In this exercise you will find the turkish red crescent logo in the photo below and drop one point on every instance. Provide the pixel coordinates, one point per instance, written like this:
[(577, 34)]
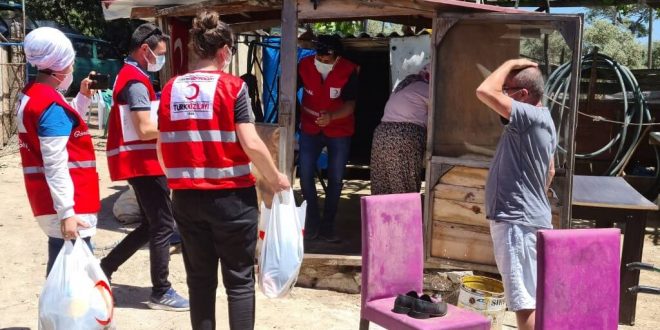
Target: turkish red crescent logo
[(101, 286), (195, 87)]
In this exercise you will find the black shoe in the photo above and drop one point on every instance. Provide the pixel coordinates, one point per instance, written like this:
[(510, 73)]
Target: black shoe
[(310, 236), (330, 238), (404, 303), (424, 308)]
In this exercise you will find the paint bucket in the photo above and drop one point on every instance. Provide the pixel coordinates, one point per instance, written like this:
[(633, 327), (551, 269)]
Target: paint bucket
[(485, 296)]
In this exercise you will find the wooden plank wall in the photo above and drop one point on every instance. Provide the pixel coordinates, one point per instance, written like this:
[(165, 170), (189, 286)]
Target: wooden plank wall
[(461, 231)]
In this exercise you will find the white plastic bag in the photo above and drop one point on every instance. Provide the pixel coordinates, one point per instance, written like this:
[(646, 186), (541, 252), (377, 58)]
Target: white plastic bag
[(280, 244), (76, 295)]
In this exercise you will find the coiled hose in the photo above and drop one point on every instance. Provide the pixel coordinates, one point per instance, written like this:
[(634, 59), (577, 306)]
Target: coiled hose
[(635, 109)]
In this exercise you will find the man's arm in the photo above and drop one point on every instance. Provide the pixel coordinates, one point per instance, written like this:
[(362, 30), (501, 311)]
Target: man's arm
[(551, 173), (490, 90), (137, 97), (55, 126)]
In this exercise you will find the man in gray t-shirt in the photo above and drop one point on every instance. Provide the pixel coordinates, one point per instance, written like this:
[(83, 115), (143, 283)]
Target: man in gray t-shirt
[(519, 176)]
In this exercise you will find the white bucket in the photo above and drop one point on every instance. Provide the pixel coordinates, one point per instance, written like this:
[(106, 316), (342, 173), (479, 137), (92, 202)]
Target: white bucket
[(485, 296)]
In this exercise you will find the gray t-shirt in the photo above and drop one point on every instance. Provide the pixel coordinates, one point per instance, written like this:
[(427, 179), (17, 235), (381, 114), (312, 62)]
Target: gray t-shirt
[(136, 95), (515, 188)]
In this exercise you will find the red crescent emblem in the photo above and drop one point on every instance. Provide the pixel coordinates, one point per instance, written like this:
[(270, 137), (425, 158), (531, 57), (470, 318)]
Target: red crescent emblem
[(196, 88), (102, 285)]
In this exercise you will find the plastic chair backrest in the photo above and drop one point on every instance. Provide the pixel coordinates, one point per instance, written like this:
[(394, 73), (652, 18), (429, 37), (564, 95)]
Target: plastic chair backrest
[(578, 278), (392, 245)]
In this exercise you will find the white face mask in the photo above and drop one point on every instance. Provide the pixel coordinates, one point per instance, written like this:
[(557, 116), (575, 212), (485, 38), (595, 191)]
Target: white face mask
[(65, 83), (323, 68), (160, 61)]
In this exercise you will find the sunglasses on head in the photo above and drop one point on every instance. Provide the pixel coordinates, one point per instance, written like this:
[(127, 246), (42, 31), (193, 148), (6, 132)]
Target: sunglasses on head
[(154, 32)]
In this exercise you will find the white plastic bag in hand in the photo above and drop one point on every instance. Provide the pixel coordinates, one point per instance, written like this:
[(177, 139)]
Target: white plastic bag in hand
[(280, 244), (76, 295)]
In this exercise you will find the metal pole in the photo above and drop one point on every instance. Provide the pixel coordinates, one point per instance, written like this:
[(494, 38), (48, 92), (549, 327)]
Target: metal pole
[(650, 49)]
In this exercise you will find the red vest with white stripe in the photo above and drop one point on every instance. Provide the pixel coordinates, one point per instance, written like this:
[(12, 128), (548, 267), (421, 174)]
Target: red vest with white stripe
[(325, 96), (198, 134), (128, 156), (35, 100)]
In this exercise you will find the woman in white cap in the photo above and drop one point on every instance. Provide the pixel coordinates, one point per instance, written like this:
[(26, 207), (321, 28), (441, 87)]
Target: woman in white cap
[(59, 166)]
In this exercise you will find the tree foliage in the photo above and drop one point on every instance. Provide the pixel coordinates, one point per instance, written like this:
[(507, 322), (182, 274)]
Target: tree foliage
[(342, 28), (85, 16), (656, 54), (558, 50), (615, 41), (633, 17)]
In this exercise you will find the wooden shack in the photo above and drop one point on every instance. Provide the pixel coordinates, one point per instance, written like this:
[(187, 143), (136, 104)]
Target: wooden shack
[(463, 133), (468, 41)]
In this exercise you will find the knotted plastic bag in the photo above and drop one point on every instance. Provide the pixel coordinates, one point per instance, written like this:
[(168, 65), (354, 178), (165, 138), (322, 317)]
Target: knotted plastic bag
[(76, 295), (280, 244)]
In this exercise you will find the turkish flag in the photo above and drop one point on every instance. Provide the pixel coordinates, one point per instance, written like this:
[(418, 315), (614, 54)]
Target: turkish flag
[(179, 37)]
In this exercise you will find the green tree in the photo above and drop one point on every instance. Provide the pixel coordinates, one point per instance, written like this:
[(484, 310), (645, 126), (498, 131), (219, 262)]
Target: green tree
[(656, 55), (85, 16), (558, 50), (343, 28), (615, 41), (634, 17)]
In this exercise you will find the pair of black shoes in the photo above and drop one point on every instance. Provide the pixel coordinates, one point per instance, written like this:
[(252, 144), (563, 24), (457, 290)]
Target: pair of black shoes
[(316, 236), (419, 307)]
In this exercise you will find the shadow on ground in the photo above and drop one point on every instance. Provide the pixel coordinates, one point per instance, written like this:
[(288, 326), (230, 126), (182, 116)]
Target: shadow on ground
[(128, 296)]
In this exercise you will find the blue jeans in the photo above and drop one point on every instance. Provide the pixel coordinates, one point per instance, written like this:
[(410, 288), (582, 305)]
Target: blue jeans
[(54, 247), (310, 149)]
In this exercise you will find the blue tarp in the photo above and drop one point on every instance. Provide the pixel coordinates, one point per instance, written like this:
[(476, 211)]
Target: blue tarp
[(271, 73)]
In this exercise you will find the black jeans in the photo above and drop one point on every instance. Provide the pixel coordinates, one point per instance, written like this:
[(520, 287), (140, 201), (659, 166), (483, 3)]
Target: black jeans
[(157, 227), (218, 225)]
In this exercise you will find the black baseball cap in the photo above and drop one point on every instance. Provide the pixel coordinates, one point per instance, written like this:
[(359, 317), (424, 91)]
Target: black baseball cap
[(327, 44)]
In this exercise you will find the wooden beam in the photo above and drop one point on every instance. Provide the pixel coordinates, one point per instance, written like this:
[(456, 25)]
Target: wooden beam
[(571, 3), (288, 81), (414, 4), (223, 7), (166, 72), (253, 26), (143, 12), (348, 9)]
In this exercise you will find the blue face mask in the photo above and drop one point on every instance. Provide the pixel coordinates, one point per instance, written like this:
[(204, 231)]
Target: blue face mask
[(160, 61)]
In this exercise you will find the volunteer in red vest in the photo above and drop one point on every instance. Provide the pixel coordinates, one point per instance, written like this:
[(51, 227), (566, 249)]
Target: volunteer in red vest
[(131, 152), (327, 120), (57, 152), (208, 141)]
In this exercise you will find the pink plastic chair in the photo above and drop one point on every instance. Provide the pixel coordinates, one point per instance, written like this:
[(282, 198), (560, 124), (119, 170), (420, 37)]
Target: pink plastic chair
[(578, 279), (393, 263)]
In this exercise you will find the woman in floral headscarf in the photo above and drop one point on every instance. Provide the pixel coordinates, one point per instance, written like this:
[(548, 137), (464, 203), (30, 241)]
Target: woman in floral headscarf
[(399, 140)]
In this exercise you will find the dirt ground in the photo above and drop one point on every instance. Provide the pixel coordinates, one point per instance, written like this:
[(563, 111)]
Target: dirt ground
[(23, 262)]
